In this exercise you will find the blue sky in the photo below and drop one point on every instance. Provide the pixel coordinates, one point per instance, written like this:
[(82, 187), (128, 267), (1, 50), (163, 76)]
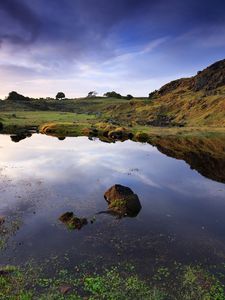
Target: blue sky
[(125, 45)]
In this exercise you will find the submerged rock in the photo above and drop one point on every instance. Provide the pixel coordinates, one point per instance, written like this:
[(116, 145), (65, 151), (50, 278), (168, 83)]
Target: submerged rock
[(72, 222), (122, 201)]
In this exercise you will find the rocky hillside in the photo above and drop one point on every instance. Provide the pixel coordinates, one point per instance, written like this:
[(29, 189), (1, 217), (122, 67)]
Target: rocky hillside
[(195, 101), (207, 80)]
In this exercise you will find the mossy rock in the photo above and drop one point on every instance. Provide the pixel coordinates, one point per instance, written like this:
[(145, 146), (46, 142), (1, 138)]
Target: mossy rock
[(122, 201), (72, 222)]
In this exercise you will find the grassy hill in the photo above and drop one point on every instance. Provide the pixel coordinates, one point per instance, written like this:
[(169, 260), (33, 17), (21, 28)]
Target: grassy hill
[(198, 101), (195, 101)]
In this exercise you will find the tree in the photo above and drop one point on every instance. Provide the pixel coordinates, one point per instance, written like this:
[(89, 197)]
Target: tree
[(129, 97), (92, 94), (14, 96), (60, 95), (112, 95)]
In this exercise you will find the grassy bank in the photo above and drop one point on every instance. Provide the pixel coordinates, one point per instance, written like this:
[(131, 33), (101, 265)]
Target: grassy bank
[(71, 124), (180, 106), (120, 282), (13, 122)]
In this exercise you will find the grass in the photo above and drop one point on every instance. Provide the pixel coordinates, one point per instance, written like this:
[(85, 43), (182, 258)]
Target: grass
[(111, 284), (114, 283), (23, 119), (197, 111)]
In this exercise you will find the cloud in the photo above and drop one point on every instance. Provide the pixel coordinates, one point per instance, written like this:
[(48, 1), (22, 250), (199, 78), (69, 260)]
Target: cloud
[(122, 41), (19, 24)]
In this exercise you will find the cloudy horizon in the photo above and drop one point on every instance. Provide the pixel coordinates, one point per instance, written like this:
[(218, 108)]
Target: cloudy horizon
[(128, 46)]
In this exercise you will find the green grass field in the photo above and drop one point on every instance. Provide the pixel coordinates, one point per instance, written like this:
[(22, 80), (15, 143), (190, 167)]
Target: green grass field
[(69, 117)]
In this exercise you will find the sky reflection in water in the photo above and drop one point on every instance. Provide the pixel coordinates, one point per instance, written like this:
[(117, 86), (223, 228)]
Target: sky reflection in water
[(182, 214)]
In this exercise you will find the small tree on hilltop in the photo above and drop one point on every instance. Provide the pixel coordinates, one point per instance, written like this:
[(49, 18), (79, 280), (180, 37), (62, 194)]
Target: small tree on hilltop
[(129, 97), (92, 94), (112, 95), (60, 95)]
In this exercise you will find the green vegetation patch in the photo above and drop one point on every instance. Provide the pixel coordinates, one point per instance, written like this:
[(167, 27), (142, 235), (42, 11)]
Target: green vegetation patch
[(111, 284), (115, 283)]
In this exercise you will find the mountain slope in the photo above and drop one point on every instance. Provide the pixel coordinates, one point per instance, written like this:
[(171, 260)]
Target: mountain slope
[(195, 101)]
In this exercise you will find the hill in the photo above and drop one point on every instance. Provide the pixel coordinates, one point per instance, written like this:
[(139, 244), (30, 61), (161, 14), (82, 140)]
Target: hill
[(195, 101), (191, 102)]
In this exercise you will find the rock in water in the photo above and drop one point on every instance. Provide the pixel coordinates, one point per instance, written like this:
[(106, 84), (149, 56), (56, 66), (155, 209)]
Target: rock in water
[(72, 222), (122, 201), (66, 217)]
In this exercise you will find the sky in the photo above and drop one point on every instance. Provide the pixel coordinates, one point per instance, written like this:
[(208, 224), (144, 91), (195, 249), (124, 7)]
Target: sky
[(130, 46)]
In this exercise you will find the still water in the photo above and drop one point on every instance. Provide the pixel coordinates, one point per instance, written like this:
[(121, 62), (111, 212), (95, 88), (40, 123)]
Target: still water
[(182, 216)]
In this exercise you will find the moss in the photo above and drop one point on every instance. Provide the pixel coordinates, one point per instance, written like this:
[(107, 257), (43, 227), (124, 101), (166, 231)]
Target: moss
[(111, 285), (118, 203), (72, 222), (198, 284)]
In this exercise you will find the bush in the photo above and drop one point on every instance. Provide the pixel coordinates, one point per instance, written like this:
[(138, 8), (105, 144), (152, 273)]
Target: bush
[(14, 96), (129, 97), (113, 95)]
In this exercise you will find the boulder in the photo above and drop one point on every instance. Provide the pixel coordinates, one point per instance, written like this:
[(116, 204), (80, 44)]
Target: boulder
[(122, 201), (66, 217)]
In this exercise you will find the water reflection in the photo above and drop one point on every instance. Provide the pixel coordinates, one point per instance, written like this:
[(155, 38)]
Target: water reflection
[(204, 154), (182, 215), (16, 138)]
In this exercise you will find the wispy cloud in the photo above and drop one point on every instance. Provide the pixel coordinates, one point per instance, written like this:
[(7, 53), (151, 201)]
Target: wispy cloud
[(128, 45)]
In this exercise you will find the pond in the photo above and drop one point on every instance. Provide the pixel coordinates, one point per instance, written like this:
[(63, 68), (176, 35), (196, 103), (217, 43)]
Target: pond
[(182, 215)]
